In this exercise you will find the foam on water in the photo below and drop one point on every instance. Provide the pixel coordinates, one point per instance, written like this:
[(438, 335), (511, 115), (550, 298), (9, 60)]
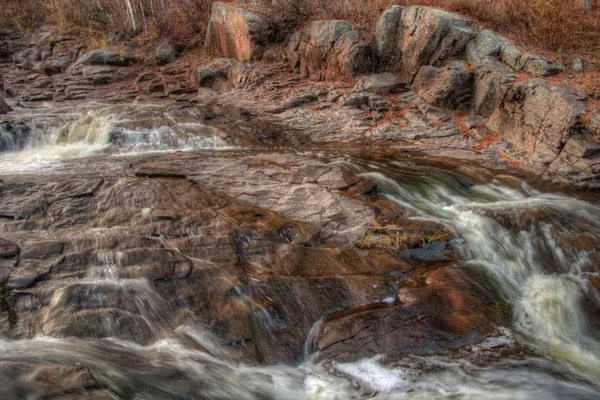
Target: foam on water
[(512, 233), (106, 130), (372, 374)]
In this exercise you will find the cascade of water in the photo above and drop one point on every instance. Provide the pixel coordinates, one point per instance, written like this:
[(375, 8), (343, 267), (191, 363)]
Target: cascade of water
[(122, 129), (7, 140), (513, 233)]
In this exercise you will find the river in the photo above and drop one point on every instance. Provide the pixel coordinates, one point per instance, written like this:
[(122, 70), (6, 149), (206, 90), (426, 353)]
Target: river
[(90, 306)]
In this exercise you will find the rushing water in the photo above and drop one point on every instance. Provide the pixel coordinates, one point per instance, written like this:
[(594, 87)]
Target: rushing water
[(516, 234), (91, 130)]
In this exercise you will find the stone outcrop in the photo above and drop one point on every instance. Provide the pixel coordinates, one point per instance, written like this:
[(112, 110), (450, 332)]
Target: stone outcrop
[(485, 45), (418, 36), (329, 50), (450, 87), (539, 119), (212, 73), (48, 54), (388, 34), (166, 52), (237, 33), (423, 50), (493, 80)]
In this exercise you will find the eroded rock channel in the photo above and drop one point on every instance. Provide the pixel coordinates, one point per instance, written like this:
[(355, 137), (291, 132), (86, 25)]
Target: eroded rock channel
[(255, 233), (227, 269)]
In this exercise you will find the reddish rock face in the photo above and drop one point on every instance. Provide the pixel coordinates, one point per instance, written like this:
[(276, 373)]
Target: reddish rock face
[(439, 312), (235, 33)]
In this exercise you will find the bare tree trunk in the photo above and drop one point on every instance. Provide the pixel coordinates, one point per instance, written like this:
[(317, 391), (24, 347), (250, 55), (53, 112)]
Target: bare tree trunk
[(587, 5), (131, 14), (143, 15)]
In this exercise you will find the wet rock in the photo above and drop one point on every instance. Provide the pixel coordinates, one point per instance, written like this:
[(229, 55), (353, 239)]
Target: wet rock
[(378, 83), (329, 50), (441, 316), (493, 79), (103, 324), (303, 197), (166, 52), (450, 87), (42, 250), (39, 381), (9, 253), (539, 119), (8, 250), (151, 171), (235, 33)]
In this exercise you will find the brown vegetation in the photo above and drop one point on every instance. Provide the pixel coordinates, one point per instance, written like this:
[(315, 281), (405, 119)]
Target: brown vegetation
[(558, 26), (400, 238), (562, 27), (183, 21)]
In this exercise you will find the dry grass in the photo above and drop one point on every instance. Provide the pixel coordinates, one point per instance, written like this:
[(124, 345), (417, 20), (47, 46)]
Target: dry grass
[(393, 238), (182, 21), (560, 27)]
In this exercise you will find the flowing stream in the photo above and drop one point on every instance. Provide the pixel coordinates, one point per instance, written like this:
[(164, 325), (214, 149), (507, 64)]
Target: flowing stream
[(527, 242)]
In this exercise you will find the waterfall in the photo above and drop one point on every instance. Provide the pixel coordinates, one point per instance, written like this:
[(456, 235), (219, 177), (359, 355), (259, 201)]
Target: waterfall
[(512, 233), (7, 140), (112, 130)]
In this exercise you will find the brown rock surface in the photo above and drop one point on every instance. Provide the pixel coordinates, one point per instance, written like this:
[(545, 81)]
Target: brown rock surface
[(444, 312), (234, 32), (256, 248)]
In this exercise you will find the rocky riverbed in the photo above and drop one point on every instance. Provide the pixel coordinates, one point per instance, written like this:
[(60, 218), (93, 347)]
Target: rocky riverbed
[(316, 224)]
